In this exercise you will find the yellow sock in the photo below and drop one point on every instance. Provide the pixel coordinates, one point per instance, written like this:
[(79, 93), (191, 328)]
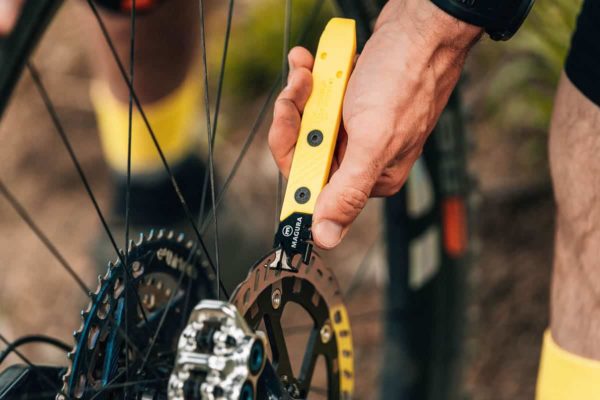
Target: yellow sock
[(566, 376), (172, 119)]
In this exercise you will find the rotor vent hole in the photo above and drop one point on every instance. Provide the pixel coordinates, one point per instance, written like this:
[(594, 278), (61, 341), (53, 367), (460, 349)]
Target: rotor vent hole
[(337, 317)]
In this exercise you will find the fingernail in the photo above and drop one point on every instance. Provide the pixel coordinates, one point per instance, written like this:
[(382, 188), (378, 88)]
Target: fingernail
[(328, 233)]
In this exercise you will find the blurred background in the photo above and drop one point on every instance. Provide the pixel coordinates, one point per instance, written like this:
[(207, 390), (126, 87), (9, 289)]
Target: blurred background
[(508, 92)]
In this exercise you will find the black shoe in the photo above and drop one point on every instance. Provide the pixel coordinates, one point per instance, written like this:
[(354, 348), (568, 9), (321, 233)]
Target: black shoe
[(153, 201)]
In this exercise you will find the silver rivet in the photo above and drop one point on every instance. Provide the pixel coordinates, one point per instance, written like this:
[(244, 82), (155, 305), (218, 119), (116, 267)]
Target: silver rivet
[(326, 333), (276, 299)]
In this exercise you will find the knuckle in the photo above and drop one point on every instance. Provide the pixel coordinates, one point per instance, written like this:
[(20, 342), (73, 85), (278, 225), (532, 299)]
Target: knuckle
[(351, 201), (391, 181)]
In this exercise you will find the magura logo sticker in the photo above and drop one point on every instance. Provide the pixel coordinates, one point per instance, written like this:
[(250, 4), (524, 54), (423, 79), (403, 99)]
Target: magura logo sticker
[(287, 231)]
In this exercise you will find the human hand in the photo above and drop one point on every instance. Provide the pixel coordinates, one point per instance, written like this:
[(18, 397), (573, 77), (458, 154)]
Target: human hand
[(399, 87), (9, 13)]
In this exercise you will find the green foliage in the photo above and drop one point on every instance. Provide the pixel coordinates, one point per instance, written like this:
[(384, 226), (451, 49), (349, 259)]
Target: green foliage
[(520, 92), (255, 58)]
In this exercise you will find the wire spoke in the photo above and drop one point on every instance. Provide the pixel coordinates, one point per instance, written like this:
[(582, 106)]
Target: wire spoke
[(217, 103), (128, 184), (109, 385), (285, 69), (319, 391), (166, 166), (245, 147), (167, 308), (360, 317), (209, 132), (361, 270), (127, 384), (316, 9), (67, 143), (26, 217)]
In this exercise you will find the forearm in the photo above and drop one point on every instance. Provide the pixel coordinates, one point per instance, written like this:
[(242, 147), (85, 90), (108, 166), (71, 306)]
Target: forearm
[(429, 25)]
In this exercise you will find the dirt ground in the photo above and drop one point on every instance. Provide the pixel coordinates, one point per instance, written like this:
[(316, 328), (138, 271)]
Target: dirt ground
[(510, 281)]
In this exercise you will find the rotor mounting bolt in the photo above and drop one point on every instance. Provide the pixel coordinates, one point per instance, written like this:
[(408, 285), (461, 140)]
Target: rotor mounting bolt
[(276, 299), (326, 333), (315, 137), (302, 195)]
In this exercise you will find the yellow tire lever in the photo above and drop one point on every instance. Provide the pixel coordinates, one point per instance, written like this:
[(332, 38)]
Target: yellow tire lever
[(315, 147)]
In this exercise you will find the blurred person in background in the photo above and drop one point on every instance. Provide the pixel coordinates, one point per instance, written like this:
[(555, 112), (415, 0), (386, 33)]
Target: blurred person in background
[(401, 83), (166, 40)]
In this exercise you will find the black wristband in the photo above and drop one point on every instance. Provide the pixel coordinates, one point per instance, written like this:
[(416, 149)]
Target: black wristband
[(583, 62), (501, 19)]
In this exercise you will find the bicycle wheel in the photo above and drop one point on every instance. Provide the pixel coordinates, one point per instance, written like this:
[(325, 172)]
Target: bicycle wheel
[(125, 345)]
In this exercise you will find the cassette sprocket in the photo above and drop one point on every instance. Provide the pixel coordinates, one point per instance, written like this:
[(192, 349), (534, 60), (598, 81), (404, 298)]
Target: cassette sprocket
[(127, 341), (263, 297)]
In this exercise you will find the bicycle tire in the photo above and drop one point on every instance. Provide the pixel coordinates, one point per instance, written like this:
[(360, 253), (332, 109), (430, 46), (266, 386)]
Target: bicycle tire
[(16, 48)]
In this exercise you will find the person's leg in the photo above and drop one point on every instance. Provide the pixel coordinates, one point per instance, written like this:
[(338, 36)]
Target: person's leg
[(570, 362), (574, 336), (575, 163), (166, 39), (165, 42)]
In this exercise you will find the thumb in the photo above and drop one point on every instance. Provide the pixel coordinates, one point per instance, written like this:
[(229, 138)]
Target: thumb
[(344, 197)]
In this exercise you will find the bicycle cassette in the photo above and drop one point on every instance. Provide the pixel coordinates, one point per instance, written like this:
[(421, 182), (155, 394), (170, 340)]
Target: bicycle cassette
[(126, 344)]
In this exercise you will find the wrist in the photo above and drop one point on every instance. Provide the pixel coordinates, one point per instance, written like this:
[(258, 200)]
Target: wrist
[(427, 22)]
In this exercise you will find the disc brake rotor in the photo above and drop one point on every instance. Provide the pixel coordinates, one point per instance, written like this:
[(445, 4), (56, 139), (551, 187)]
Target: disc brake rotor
[(121, 351), (263, 297)]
